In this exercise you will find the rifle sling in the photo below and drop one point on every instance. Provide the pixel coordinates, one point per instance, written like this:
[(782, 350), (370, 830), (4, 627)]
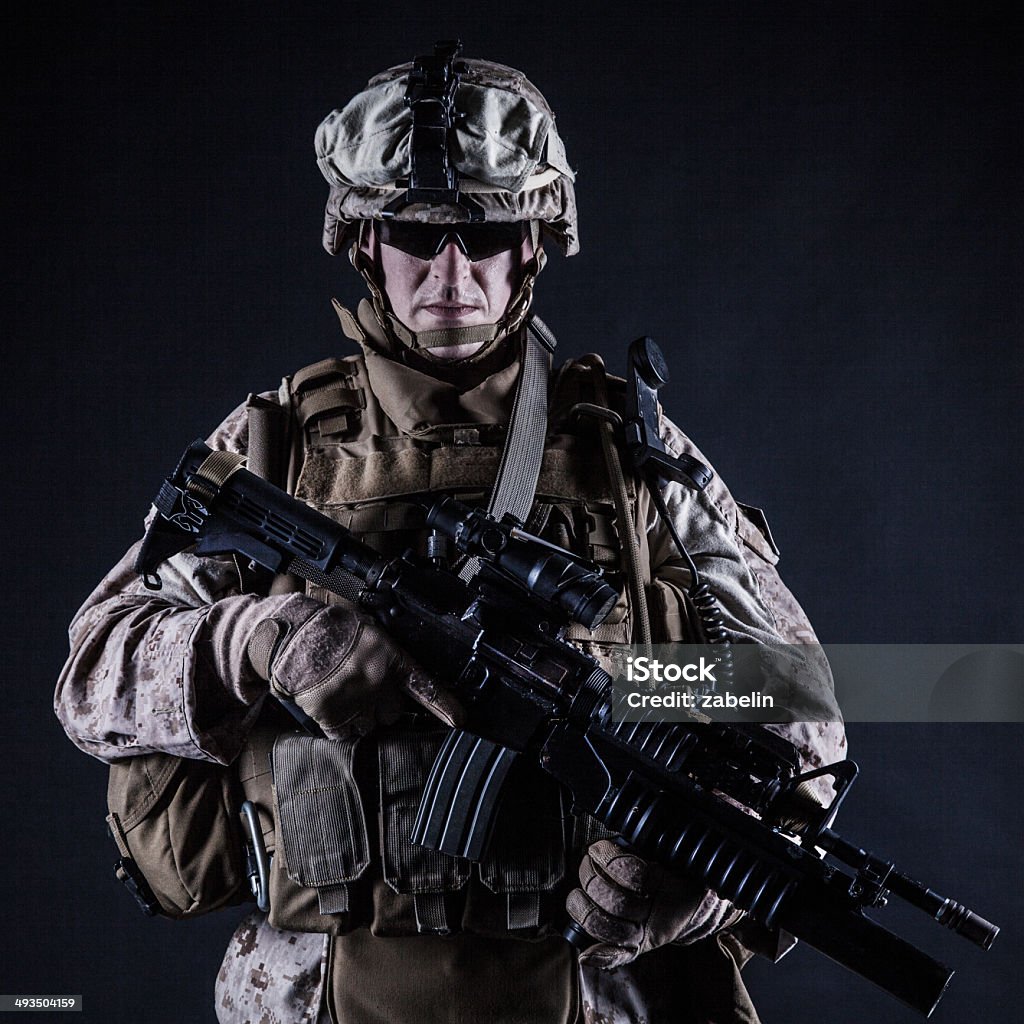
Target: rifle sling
[(519, 469)]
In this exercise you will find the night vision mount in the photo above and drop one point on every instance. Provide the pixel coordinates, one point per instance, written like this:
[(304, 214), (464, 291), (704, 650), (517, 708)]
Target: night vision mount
[(430, 95)]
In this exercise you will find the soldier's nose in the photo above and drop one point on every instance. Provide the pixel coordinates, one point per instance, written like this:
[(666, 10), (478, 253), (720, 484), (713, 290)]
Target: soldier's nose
[(451, 264)]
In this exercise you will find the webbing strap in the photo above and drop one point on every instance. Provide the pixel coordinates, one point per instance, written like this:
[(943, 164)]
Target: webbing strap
[(218, 466), (117, 834), (327, 399), (519, 469), (213, 473), (524, 447), (333, 899), (523, 910), (627, 536), (443, 336), (431, 913), (326, 367)]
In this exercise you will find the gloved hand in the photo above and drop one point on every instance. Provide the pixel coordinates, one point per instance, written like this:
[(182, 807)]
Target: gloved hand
[(340, 668), (631, 906)]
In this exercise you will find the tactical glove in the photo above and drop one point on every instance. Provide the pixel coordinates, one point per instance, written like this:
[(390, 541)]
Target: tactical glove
[(340, 668), (631, 906)]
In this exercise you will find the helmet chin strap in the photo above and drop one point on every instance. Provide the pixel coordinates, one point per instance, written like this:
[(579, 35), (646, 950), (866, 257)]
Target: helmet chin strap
[(402, 339)]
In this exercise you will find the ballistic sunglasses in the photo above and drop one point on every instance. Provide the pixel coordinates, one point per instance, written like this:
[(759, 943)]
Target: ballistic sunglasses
[(477, 241)]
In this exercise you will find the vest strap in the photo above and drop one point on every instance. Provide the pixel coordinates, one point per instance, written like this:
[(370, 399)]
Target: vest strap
[(523, 910), (431, 913), (331, 367), (333, 899), (328, 399)]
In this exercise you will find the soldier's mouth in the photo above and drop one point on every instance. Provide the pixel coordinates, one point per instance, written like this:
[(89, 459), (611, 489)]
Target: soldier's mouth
[(450, 311)]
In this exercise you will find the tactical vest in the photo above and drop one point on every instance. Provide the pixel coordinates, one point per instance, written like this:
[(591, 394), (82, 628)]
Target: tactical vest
[(340, 815)]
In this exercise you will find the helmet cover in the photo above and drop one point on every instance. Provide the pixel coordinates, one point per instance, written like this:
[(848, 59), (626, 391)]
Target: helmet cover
[(503, 143)]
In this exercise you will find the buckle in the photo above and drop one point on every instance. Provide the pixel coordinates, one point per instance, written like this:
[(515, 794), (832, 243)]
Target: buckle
[(127, 872)]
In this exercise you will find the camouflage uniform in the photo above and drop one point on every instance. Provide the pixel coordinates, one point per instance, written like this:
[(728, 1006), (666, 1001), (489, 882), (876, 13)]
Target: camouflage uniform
[(137, 681)]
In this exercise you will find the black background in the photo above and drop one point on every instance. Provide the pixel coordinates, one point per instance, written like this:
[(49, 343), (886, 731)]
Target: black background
[(814, 208)]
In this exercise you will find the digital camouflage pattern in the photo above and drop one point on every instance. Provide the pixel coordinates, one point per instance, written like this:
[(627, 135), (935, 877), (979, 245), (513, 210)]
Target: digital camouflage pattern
[(137, 681), (272, 977)]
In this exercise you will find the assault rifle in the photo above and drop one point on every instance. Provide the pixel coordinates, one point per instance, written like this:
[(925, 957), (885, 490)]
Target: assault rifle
[(499, 641)]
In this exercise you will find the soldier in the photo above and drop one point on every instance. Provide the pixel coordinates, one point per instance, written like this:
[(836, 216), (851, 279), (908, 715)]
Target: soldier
[(446, 177)]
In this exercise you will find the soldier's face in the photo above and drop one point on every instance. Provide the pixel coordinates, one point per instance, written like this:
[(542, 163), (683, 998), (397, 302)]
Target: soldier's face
[(449, 289)]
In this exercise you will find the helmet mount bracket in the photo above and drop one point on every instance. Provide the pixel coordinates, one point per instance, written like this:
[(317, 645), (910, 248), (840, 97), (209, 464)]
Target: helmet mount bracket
[(430, 95)]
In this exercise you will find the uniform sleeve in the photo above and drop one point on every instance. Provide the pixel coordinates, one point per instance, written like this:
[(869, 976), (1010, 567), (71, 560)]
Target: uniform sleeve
[(738, 560), (143, 674)]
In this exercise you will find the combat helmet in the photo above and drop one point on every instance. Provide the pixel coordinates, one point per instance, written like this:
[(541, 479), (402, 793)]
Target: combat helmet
[(445, 139)]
